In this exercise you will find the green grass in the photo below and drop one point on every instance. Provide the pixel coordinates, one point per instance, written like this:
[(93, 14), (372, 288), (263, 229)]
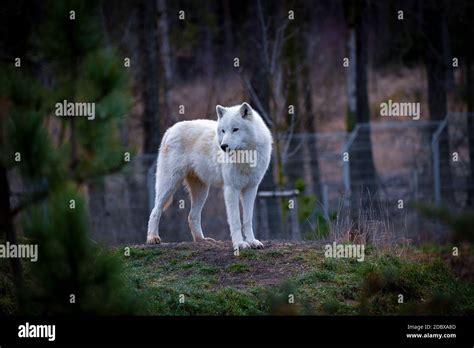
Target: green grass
[(326, 286), (284, 280), (238, 268)]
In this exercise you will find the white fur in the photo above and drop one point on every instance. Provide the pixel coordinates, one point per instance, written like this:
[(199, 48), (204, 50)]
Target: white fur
[(189, 152)]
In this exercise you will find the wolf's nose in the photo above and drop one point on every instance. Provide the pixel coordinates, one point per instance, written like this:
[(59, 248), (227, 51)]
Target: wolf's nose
[(224, 147)]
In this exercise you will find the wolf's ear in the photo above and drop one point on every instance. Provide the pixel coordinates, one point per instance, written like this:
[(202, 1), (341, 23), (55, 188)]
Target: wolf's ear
[(220, 110), (246, 111)]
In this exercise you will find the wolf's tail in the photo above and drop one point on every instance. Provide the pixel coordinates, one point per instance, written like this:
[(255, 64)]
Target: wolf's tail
[(161, 173)]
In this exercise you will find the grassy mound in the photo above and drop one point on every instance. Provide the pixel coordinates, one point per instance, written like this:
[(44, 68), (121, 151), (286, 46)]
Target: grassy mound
[(289, 278)]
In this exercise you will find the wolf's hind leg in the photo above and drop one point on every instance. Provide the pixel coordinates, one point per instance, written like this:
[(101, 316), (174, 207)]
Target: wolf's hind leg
[(166, 186), (198, 192)]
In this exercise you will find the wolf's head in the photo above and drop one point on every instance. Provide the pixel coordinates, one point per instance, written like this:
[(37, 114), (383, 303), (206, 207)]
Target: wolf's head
[(235, 127)]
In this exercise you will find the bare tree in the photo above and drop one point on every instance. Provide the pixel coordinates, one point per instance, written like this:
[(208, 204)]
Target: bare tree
[(229, 38), (308, 124), (436, 43), (466, 14), (470, 124), (260, 69), (150, 77), (362, 169), (165, 50)]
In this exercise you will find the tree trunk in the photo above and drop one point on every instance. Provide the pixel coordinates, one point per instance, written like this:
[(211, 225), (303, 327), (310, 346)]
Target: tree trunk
[(165, 50), (351, 80), (310, 127), (150, 78), (291, 60), (258, 68), (228, 34), (436, 69), (361, 164), (208, 25), (470, 126)]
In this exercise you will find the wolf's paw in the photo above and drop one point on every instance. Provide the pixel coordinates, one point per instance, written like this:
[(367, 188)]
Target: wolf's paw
[(204, 239), (153, 240), (241, 246), (255, 244)]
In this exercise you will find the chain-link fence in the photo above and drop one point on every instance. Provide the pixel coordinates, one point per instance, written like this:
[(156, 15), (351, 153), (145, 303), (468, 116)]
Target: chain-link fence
[(375, 174), (453, 183), (387, 168)]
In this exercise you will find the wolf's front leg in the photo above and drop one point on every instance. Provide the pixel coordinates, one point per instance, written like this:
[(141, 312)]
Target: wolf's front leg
[(231, 197), (248, 200)]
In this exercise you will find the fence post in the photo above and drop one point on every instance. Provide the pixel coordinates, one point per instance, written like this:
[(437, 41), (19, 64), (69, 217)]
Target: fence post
[(436, 165), (295, 226), (262, 214), (345, 164), (415, 185), (295, 233), (325, 193)]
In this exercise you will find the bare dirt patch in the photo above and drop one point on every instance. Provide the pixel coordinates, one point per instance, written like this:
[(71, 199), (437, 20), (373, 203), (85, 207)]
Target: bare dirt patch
[(272, 265)]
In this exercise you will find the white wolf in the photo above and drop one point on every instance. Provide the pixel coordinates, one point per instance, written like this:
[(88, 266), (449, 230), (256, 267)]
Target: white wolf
[(193, 152)]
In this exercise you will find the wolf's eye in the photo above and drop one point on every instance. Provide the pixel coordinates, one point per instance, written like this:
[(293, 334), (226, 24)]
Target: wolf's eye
[(235, 130), (223, 131)]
